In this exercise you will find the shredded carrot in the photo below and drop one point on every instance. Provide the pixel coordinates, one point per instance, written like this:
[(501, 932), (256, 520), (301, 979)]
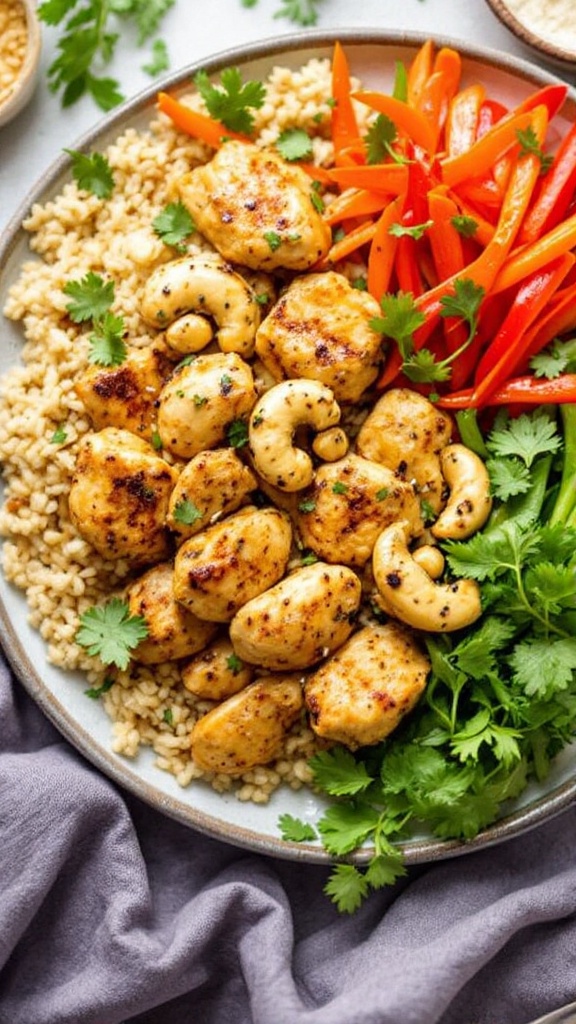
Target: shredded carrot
[(350, 243), (207, 129)]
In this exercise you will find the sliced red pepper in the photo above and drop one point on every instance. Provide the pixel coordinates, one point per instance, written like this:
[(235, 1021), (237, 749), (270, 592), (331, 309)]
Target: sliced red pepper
[(555, 193), (522, 390)]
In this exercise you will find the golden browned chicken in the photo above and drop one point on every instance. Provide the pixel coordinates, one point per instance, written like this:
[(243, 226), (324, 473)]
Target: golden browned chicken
[(201, 400), (173, 631), (406, 432), (320, 329), (302, 619), (119, 496), (222, 568), (347, 505), (213, 484), (125, 396), (360, 694), (217, 672), (256, 209), (249, 728)]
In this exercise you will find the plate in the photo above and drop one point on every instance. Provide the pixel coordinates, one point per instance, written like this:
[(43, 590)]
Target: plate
[(60, 695)]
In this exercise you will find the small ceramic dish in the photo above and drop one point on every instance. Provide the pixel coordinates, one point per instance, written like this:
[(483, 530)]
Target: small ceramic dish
[(542, 28), (15, 94)]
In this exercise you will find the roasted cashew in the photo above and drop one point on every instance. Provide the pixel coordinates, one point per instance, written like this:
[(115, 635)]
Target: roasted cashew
[(470, 503), (206, 285), (431, 559), (408, 593), (330, 445), (273, 422)]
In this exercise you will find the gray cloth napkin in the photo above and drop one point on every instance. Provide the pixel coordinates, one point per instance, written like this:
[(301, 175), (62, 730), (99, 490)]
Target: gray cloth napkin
[(110, 912)]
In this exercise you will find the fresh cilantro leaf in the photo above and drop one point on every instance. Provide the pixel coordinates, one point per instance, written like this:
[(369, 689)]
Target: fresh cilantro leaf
[(294, 144), (94, 692), (529, 145), (399, 321), (174, 225), (235, 664), (380, 139), (557, 358), (508, 477), (91, 297), (416, 232), (168, 716), (465, 303), (111, 633), (107, 346), (338, 773), (59, 436), (295, 831), (465, 226), (92, 173), (347, 887), (160, 61), (554, 586), (186, 512), (475, 655), (300, 12), (345, 826), (543, 666), (423, 367), (233, 102), (385, 868), (525, 437), (306, 505), (486, 555)]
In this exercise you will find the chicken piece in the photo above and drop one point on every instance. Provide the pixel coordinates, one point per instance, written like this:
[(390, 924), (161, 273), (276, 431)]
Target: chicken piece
[(406, 432), (249, 728), (173, 631), (362, 692), (201, 400), (125, 396), (213, 484), (348, 504), (218, 570), (217, 672), (256, 209), (320, 329), (300, 620), (119, 496)]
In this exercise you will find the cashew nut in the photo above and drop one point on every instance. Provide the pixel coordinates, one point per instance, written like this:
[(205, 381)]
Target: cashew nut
[(470, 503), (431, 559), (273, 422), (206, 285), (330, 445), (407, 592)]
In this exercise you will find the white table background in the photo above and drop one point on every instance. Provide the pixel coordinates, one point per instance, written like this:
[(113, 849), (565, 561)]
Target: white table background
[(197, 29)]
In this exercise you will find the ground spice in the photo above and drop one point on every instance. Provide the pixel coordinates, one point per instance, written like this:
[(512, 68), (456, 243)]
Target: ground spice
[(13, 44), (552, 20)]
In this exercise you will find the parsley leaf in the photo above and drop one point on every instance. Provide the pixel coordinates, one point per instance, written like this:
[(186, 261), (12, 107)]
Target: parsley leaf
[(380, 139), (92, 172), (294, 144), (399, 321), (525, 437), (347, 887), (232, 103), (186, 512), (529, 145), (338, 773), (107, 346), (174, 225), (111, 633), (294, 830)]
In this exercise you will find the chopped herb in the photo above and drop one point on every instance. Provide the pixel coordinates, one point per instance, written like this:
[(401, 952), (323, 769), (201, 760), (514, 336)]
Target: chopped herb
[(339, 487), (91, 297), (465, 226), (199, 400), (316, 198), (237, 434), (92, 173), (59, 436), (360, 283), (294, 144), (382, 494), (156, 441), (233, 102), (94, 692), (186, 512), (226, 384), (174, 225), (428, 513), (307, 505), (300, 12), (111, 633), (234, 663), (309, 558), (262, 298), (529, 145), (416, 231), (159, 61), (168, 716), (274, 240)]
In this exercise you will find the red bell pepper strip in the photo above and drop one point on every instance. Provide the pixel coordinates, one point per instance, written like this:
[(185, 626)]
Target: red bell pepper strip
[(558, 318), (200, 126), (555, 193), (344, 126), (550, 96), (504, 354), (407, 270), (522, 390)]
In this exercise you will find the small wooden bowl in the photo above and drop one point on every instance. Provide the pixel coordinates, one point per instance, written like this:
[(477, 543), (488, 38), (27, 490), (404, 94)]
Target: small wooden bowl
[(552, 52), (14, 98)]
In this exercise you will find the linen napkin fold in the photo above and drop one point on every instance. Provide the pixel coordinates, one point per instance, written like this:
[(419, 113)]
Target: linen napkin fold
[(112, 913)]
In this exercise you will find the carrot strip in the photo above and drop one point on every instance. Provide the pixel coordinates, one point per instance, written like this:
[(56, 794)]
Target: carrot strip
[(344, 125), (355, 203), (445, 241), (462, 119), (407, 119), (419, 72), (207, 129), (383, 250), (533, 257), (351, 242), (391, 178), (486, 150)]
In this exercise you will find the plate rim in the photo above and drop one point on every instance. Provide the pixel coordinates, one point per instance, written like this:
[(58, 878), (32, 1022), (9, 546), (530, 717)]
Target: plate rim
[(118, 770)]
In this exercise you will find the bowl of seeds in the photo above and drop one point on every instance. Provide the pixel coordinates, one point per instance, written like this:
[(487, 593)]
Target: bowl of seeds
[(20, 46)]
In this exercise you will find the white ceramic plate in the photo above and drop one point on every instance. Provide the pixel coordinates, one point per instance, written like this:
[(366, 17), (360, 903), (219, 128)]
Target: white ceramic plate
[(61, 695)]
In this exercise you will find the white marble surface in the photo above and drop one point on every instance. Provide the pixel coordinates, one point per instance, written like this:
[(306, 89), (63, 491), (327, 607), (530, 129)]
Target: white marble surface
[(194, 30)]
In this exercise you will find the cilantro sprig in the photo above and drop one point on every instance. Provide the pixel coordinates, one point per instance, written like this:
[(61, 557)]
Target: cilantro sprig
[(91, 301), (233, 101), (111, 633), (91, 30)]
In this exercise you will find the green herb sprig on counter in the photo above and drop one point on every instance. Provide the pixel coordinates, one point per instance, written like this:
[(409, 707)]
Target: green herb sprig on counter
[(88, 44), (500, 702)]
